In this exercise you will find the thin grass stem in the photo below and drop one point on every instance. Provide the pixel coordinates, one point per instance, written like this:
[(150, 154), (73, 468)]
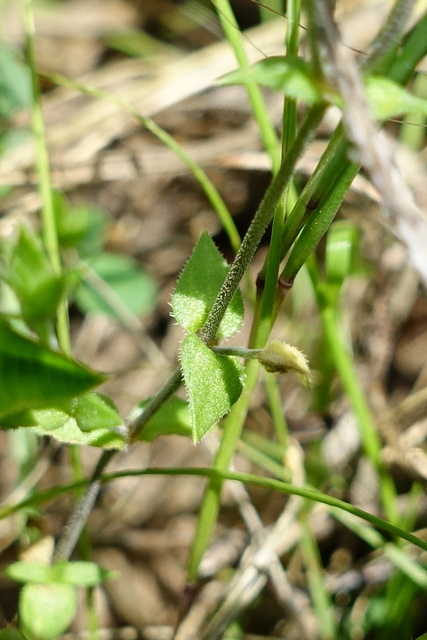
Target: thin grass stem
[(43, 170), (258, 108)]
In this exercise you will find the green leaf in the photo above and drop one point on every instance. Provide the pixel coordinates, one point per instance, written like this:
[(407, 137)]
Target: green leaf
[(173, 417), (11, 633), (122, 285), (213, 384), (94, 410), (288, 74), (388, 99), (80, 573), (341, 246), (198, 287), (33, 376), (46, 610), (29, 273), (83, 226), (15, 83), (90, 419), (29, 572)]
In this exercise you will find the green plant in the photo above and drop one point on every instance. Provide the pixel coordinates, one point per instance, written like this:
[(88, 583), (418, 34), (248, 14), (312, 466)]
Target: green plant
[(39, 274)]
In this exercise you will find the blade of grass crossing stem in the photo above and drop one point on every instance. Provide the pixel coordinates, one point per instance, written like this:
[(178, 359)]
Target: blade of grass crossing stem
[(270, 484), (43, 170), (258, 108)]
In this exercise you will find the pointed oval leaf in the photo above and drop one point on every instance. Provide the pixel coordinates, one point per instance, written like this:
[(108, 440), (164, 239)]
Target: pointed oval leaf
[(213, 384), (288, 74), (388, 99), (33, 376), (198, 287), (80, 573), (37, 572)]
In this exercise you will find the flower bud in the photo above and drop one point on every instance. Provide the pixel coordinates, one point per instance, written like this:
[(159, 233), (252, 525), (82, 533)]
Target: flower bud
[(281, 357)]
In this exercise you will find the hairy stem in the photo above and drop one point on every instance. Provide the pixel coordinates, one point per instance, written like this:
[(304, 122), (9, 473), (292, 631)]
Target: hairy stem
[(259, 224)]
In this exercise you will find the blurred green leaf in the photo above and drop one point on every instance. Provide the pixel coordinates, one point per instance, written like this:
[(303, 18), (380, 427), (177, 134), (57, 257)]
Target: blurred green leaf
[(11, 633), (389, 99), (80, 573), (341, 249), (198, 287), (213, 384), (33, 376), (82, 226), (46, 610), (15, 83), (288, 74), (90, 419), (27, 572), (137, 43), (173, 417), (30, 275), (120, 286)]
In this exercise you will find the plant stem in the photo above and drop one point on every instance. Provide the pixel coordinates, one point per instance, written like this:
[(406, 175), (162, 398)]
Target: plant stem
[(233, 424), (286, 488), (259, 224), (136, 426), (83, 508), (43, 169), (239, 352), (390, 35), (258, 108), (244, 256), (276, 409), (318, 223), (72, 530)]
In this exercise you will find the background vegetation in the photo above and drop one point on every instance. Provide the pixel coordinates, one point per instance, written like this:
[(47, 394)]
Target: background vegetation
[(296, 364)]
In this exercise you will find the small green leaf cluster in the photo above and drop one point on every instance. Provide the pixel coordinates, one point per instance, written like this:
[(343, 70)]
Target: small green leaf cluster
[(36, 284), (48, 600), (213, 382)]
